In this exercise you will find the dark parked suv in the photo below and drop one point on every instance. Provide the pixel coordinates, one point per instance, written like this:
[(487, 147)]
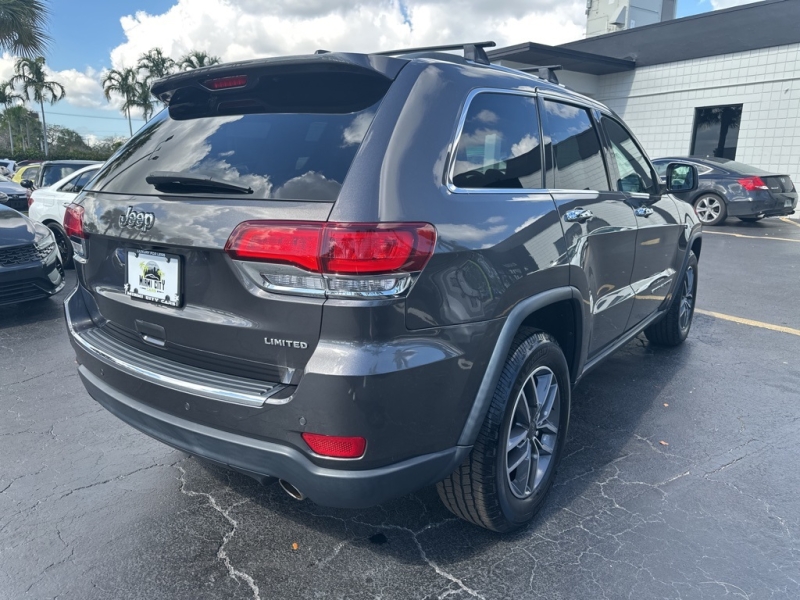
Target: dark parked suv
[(364, 274)]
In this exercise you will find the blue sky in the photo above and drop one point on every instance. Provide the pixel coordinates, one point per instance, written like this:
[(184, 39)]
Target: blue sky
[(86, 31)]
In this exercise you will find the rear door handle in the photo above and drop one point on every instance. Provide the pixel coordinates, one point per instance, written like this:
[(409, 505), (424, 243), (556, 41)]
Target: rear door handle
[(578, 215), (643, 211)]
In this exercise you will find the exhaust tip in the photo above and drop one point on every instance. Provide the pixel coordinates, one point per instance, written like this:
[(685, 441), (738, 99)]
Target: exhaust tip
[(291, 490)]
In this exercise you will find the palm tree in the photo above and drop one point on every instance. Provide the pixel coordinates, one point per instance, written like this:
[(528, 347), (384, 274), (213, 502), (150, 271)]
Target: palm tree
[(7, 98), (156, 64), (196, 59), (144, 99), (31, 75), (123, 83), (22, 27)]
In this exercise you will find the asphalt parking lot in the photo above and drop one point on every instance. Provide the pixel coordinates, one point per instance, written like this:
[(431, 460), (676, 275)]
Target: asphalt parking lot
[(681, 478)]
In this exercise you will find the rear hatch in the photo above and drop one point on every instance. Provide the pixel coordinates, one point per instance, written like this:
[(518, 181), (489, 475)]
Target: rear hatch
[(262, 140)]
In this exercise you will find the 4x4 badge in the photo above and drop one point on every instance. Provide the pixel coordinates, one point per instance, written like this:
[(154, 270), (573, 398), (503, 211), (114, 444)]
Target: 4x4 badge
[(136, 219)]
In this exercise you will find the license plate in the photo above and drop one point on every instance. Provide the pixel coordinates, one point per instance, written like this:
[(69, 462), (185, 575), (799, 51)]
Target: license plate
[(154, 276)]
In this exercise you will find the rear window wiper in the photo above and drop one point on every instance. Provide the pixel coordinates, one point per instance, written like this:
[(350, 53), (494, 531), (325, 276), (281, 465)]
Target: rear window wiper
[(175, 181)]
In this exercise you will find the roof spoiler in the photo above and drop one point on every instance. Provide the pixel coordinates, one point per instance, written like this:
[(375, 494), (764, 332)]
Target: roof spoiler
[(229, 76)]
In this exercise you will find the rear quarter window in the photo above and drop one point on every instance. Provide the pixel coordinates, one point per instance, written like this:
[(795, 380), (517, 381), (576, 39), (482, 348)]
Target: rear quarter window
[(499, 145)]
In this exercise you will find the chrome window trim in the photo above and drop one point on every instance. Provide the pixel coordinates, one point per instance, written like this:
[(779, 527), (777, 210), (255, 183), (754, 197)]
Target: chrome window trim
[(171, 382), (451, 167)]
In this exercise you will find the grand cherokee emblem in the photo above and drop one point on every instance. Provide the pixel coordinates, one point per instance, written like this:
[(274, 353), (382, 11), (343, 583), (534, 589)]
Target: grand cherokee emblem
[(137, 219)]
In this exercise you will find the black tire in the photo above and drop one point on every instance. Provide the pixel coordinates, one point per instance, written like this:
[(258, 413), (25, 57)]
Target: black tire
[(480, 490), (672, 329), (750, 219), (63, 243), (709, 216)]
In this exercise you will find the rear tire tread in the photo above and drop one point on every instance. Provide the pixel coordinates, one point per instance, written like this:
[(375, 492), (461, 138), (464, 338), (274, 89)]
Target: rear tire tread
[(470, 492)]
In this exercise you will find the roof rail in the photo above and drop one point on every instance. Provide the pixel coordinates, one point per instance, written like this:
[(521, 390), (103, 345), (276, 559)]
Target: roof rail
[(474, 51), (546, 72)]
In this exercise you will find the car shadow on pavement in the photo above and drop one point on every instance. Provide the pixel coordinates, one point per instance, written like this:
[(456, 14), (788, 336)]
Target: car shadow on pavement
[(33, 311), (607, 411)]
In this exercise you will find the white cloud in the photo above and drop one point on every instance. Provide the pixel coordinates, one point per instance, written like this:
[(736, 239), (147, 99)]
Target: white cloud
[(241, 29)]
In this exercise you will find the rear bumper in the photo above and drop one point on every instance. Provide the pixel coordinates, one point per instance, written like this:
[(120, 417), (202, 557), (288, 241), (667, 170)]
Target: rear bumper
[(327, 487), (773, 207), (33, 281), (405, 414)]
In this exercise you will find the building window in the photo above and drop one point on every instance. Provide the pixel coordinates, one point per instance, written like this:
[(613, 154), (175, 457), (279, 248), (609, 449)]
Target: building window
[(716, 131)]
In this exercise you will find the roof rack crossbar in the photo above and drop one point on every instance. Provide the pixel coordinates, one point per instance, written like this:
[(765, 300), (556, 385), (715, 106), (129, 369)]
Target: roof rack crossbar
[(474, 51), (546, 72)]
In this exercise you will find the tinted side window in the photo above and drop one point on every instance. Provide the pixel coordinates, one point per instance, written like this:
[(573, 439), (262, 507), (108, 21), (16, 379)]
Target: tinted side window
[(574, 149), (70, 185), (635, 174), (499, 144)]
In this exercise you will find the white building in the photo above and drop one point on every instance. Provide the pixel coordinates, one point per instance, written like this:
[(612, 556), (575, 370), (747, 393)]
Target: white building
[(724, 83), (606, 16)]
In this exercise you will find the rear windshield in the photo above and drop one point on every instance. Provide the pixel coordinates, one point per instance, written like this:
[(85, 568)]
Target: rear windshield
[(277, 155)]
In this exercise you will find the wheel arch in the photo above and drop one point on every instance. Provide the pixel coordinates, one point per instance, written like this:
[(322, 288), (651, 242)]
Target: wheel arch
[(559, 312)]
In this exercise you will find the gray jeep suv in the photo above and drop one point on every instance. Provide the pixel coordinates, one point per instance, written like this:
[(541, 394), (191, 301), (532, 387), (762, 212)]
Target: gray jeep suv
[(364, 274)]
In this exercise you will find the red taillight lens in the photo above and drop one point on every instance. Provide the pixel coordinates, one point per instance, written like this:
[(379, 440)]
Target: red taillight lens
[(753, 183), (334, 248), (73, 222), (369, 249), (336, 446), (224, 83), (30, 201), (287, 243)]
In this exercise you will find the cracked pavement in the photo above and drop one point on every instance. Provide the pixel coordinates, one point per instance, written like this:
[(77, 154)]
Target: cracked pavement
[(90, 508)]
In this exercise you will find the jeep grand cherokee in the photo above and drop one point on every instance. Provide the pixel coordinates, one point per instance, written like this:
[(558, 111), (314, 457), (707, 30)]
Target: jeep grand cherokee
[(364, 274)]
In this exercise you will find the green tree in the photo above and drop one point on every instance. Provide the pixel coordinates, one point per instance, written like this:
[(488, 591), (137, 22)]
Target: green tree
[(64, 140), (8, 96), (36, 87), (196, 59), (24, 125), (22, 27), (155, 65), (122, 82)]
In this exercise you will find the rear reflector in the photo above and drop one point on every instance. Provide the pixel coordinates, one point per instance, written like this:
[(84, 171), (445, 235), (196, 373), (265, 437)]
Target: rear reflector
[(335, 446), (224, 83), (753, 183), (335, 248), (73, 222)]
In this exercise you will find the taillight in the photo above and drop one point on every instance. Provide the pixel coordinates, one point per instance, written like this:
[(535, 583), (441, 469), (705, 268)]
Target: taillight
[(336, 446), (30, 201), (73, 222), (286, 243), (369, 249), (753, 183), (337, 259)]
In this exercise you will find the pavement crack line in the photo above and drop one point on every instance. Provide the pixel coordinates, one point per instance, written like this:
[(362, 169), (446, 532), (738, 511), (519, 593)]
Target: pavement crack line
[(222, 554)]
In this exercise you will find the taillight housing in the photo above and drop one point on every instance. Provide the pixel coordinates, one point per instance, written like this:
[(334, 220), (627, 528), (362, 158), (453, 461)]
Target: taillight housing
[(30, 201), (73, 222), (333, 259), (335, 446), (753, 183)]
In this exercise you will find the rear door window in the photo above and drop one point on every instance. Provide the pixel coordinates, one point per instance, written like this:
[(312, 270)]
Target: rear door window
[(573, 151), (286, 156), (499, 145)]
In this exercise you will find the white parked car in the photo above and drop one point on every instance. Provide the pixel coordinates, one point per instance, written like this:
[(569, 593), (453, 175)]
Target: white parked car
[(48, 205)]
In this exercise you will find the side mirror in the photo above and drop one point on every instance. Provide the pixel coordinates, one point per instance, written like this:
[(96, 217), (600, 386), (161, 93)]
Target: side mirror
[(27, 184), (681, 178)]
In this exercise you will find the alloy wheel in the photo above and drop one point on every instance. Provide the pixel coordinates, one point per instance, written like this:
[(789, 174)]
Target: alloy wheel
[(532, 435), (708, 209)]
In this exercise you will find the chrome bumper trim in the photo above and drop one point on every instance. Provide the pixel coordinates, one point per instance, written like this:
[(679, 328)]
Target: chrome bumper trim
[(170, 374)]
